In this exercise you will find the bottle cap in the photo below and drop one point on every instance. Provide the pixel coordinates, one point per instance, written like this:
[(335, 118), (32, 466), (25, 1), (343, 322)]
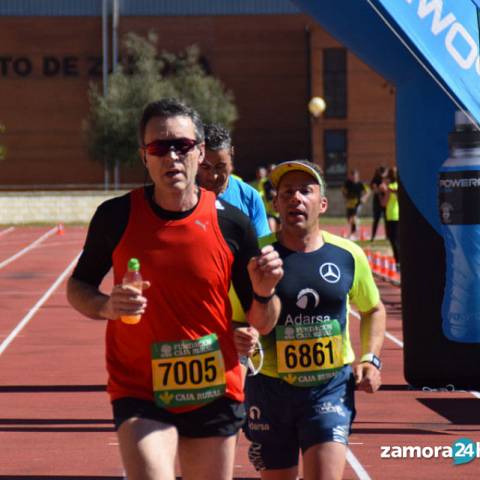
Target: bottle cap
[(461, 119), (134, 264), (466, 133)]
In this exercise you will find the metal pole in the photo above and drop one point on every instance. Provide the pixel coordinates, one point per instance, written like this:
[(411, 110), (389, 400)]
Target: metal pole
[(310, 122), (115, 19), (106, 173)]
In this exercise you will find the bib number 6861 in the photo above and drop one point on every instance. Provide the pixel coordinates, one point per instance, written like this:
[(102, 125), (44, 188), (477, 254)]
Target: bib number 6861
[(304, 355)]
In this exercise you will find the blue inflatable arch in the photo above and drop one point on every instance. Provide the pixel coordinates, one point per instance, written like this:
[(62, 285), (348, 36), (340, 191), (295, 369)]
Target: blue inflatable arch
[(424, 118)]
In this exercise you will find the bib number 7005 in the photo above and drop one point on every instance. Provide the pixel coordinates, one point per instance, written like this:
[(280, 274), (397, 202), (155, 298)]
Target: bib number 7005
[(189, 371)]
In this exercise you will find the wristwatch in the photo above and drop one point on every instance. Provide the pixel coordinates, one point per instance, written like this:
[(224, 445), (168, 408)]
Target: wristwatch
[(371, 358)]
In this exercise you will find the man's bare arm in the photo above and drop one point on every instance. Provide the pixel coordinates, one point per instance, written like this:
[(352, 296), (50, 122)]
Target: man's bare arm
[(123, 300), (87, 299), (265, 272), (264, 316), (372, 334), (372, 329)]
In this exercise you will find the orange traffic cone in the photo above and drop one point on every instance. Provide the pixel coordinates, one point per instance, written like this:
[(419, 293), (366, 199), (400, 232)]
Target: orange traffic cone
[(384, 264), (376, 266), (392, 268), (60, 229), (368, 254), (363, 235)]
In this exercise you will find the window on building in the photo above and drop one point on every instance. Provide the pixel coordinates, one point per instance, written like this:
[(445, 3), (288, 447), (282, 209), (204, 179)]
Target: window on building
[(335, 82), (335, 155)]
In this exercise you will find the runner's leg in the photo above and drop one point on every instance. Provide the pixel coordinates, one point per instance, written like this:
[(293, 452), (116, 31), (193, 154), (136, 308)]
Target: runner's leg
[(325, 461), (377, 215), (354, 224), (148, 449), (210, 458), (349, 223)]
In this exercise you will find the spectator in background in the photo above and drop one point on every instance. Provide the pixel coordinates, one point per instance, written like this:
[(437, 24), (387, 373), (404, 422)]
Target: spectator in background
[(378, 209), (355, 193), (260, 179), (215, 174), (392, 212), (268, 196)]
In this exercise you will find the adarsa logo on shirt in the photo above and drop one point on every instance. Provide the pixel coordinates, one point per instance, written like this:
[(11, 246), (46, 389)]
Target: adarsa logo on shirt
[(302, 319)]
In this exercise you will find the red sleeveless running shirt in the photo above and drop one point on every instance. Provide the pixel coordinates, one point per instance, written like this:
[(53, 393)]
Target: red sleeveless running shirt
[(188, 264)]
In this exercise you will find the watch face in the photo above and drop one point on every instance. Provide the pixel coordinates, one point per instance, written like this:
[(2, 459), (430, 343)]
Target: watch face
[(376, 361), (373, 359)]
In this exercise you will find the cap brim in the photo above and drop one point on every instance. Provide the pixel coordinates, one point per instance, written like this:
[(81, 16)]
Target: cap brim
[(280, 170)]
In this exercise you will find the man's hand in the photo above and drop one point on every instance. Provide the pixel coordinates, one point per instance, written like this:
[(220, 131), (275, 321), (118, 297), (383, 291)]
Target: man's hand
[(245, 339), (367, 377), (125, 300), (265, 271)]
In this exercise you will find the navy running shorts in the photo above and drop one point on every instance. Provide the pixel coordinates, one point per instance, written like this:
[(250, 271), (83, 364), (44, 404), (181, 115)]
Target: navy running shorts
[(282, 419), (221, 418)]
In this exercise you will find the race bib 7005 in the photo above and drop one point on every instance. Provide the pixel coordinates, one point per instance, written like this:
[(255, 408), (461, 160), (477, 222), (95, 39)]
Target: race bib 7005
[(187, 372)]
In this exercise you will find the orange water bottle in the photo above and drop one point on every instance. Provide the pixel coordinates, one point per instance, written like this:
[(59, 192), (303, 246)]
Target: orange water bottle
[(134, 279)]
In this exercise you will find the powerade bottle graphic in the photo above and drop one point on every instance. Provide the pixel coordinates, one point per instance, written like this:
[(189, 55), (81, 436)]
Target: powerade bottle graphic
[(459, 206)]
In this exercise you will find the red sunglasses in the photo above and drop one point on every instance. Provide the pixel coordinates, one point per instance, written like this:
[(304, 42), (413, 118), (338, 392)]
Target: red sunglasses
[(159, 148)]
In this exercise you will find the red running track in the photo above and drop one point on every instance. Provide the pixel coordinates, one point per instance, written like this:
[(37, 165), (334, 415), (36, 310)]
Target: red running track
[(55, 420)]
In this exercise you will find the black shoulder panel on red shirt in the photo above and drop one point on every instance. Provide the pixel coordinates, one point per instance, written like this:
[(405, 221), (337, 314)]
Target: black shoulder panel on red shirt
[(110, 221)]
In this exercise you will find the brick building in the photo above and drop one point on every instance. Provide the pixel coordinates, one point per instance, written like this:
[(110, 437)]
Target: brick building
[(273, 57)]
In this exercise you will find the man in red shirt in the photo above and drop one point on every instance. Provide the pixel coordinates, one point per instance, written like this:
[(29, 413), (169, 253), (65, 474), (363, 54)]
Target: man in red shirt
[(174, 377)]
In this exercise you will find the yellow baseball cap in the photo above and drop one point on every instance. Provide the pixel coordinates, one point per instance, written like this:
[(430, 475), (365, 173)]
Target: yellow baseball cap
[(297, 165)]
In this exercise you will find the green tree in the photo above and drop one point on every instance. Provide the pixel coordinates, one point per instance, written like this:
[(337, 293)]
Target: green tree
[(111, 126)]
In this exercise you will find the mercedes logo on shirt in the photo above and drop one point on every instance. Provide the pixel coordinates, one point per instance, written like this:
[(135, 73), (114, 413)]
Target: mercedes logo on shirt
[(330, 272)]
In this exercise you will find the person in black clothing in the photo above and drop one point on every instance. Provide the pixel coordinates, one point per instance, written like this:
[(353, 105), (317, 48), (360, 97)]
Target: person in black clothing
[(355, 193), (378, 194)]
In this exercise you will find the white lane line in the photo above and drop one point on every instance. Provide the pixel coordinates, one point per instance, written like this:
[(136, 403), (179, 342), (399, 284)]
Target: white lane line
[(357, 466), (7, 230), (29, 247), (394, 339), (20, 293), (352, 460), (37, 306)]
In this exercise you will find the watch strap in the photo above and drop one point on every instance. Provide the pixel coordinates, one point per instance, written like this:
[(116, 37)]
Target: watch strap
[(262, 299)]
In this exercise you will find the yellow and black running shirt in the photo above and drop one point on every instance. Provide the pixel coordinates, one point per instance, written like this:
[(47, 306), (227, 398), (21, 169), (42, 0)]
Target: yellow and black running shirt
[(315, 292)]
